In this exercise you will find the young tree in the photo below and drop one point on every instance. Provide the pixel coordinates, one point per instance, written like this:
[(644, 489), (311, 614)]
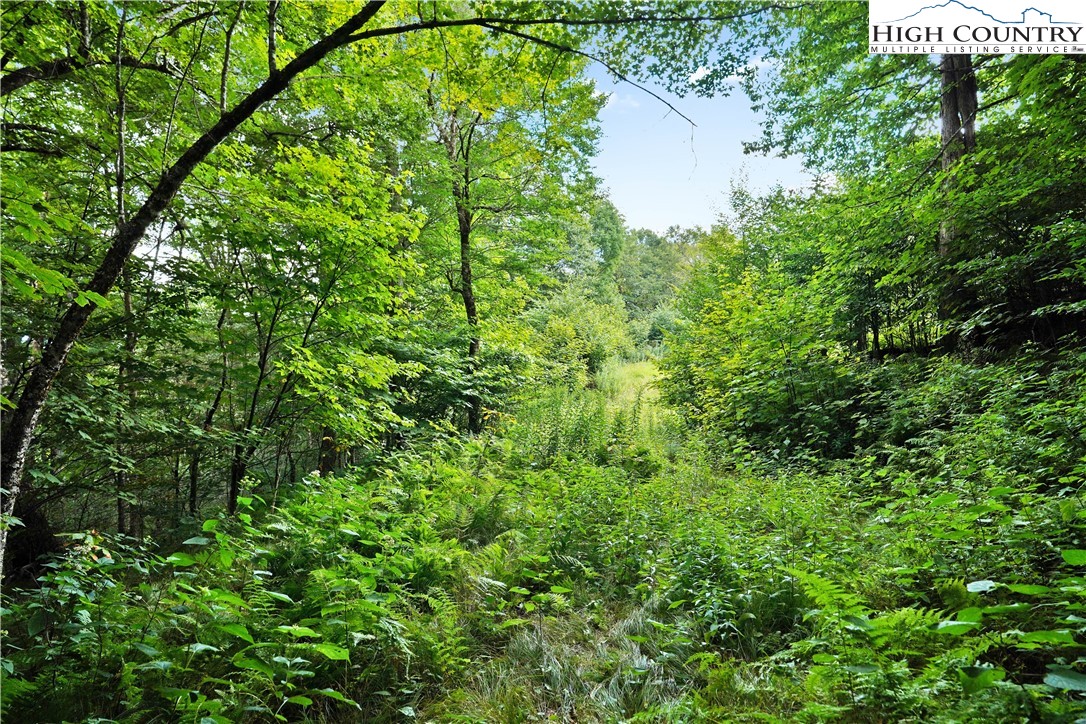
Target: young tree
[(516, 124)]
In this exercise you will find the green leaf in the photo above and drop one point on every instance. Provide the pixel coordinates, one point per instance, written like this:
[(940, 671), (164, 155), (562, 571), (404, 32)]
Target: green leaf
[(1007, 608), (279, 596), (333, 694), (561, 589), (971, 614), (513, 622), (37, 623), (254, 665), (975, 679), (1074, 557), (300, 700), (862, 668), (145, 649), (333, 652), (237, 629), (943, 500), (219, 595), (1028, 590), (521, 591), (198, 540), (181, 560), (299, 631), (199, 648), (1061, 677), (859, 622), (85, 297), (955, 628), (1049, 637)]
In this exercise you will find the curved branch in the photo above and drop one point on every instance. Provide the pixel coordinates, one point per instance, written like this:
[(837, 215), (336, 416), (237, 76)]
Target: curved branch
[(507, 25), (575, 22), (53, 69), (566, 49)]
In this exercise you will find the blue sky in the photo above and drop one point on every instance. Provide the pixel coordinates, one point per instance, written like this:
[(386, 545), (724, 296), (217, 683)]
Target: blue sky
[(659, 172)]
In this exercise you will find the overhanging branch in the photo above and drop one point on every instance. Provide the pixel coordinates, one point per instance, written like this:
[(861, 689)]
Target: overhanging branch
[(566, 49), (53, 69), (575, 22)]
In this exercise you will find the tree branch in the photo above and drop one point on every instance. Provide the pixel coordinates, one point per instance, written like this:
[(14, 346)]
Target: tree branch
[(53, 69), (273, 11), (226, 58), (566, 49), (575, 22), (40, 150)]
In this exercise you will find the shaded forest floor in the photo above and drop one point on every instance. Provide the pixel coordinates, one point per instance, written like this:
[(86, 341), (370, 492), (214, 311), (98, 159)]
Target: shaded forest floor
[(588, 561)]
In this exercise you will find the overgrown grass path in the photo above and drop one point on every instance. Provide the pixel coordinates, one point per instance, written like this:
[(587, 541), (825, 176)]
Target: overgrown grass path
[(643, 568), (619, 570)]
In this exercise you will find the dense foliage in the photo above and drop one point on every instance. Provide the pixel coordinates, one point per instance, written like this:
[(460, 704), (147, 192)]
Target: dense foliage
[(385, 414)]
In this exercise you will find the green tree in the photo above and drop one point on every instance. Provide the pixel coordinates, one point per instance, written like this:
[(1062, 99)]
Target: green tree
[(78, 66), (516, 124)]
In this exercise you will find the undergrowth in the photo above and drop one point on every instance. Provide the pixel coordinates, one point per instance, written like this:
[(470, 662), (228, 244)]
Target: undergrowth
[(589, 560)]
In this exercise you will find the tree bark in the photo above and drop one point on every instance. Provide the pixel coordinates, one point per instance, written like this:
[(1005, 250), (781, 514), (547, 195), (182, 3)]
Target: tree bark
[(60, 67), (239, 466), (458, 143), (20, 427), (225, 74), (467, 293), (30, 542), (958, 115), (328, 455), (120, 179), (273, 11), (209, 418)]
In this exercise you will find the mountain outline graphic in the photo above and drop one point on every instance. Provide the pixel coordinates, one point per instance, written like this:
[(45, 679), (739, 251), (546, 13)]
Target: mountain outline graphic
[(960, 4)]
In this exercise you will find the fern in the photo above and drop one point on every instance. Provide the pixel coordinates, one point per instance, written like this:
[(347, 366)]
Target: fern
[(830, 597), (12, 688)]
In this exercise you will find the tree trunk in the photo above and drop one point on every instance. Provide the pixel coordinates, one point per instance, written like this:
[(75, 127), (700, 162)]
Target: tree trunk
[(876, 343), (328, 456), (458, 145), (20, 426), (239, 466), (467, 293), (126, 282), (958, 115), (209, 418), (31, 541)]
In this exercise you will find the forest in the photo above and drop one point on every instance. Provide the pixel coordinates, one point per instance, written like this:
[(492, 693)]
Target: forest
[(336, 389)]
